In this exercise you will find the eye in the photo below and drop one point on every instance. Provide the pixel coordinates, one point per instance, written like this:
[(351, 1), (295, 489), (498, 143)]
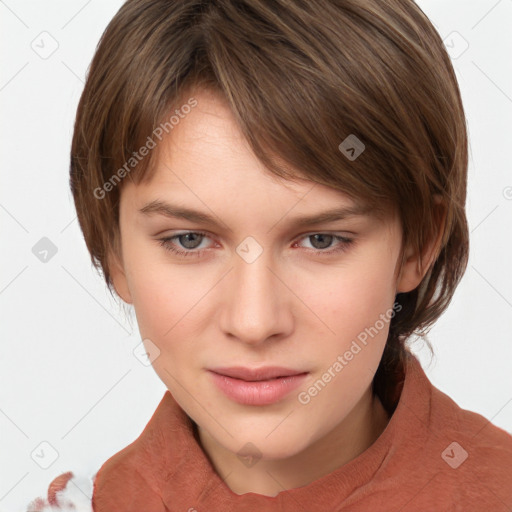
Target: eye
[(190, 241), (321, 241)]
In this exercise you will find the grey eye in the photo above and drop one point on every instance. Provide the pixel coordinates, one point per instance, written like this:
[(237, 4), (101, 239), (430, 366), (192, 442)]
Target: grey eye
[(191, 240), (322, 239)]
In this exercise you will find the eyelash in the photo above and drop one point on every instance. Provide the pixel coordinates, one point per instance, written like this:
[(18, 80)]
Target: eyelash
[(166, 244)]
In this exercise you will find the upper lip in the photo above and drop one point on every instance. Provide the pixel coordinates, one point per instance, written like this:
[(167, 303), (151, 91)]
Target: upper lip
[(255, 374)]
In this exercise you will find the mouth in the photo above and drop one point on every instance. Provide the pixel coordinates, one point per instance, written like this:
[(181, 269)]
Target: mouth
[(263, 386), (257, 374)]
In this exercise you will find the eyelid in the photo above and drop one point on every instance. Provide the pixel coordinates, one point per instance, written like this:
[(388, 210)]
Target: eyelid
[(171, 233), (339, 232)]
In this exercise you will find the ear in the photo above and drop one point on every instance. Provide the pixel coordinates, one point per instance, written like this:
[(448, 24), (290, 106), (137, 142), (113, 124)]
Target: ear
[(416, 264), (118, 276)]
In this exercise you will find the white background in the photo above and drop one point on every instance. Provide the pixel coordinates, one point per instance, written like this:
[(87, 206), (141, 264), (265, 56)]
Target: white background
[(68, 373)]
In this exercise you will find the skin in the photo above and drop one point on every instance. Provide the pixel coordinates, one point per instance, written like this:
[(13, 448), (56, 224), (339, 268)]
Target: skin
[(294, 306)]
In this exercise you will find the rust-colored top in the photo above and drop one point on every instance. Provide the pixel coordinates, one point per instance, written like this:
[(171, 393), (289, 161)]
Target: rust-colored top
[(433, 455)]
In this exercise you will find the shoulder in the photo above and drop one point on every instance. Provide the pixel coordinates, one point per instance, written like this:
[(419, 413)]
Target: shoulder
[(472, 451), (446, 455), (122, 481), (124, 466), (445, 421), (127, 481), (480, 435)]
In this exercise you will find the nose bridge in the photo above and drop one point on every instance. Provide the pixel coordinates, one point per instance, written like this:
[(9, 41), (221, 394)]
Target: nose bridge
[(255, 305)]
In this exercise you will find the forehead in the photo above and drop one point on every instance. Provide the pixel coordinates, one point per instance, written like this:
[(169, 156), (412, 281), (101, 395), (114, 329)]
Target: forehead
[(206, 149), (204, 163)]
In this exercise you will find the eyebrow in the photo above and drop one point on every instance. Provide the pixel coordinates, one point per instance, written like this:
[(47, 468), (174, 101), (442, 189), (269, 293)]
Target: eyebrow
[(179, 212)]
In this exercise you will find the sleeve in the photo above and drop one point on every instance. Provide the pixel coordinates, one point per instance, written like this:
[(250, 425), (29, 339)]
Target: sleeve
[(67, 493)]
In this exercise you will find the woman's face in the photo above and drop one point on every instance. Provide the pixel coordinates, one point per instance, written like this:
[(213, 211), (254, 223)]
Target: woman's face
[(254, 285)]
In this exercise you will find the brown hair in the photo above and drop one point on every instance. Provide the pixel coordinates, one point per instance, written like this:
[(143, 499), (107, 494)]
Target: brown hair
[(300, 77)]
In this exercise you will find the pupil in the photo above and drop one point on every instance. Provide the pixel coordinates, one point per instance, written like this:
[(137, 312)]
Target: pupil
[(187, 237), (328, 237)]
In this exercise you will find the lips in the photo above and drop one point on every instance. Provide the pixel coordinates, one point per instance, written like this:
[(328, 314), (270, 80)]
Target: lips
[(257, 386), (257, 374)]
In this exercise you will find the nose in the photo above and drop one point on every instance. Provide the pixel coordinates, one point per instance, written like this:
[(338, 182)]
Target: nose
[(257, 304)]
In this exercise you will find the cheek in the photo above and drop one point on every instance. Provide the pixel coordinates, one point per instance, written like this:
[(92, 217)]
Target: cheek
[(166, 307), (356, 305), (352, 298), (164, 295)]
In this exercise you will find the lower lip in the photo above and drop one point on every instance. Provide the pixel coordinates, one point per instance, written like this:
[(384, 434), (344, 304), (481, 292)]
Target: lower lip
[(262, 392)]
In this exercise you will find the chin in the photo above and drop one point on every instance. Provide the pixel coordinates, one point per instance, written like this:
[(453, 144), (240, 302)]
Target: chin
[(260, 447)]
